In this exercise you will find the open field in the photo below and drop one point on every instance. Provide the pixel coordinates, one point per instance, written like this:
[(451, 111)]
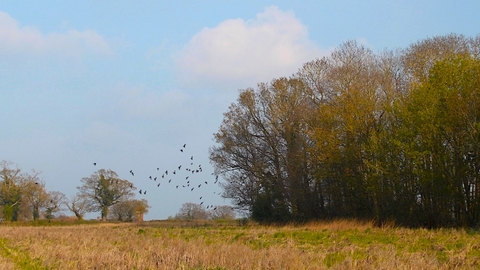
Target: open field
[(169, 245)]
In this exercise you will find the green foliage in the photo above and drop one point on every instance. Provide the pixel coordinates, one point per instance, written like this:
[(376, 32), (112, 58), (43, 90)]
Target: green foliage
[(393, 137)]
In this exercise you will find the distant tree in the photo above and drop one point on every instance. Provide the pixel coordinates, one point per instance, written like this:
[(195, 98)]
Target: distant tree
[(129, 210), (54, 204), (34, 194), (222, 212), (105, 189), (192, 211), (10, 191), (79, 205)]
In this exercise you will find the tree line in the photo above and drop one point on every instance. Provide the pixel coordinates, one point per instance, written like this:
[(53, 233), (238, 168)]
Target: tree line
[(388, 136), (23, 196)]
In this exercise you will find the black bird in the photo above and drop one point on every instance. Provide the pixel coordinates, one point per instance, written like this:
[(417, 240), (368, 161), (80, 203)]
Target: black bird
[(166, 172), (158, 184), (173, 172), (163, 175), (158, 169), (191, 158), (186, 179), (140, 191), (201, 197), (36, 183), (201, 203), (191, 189), (150, 177), (155, 179), (177, 186), (179, 167), (94, 164), (169, 180), (200, 185), (181, 150), (145, 192), (184, 145), (206, 182)]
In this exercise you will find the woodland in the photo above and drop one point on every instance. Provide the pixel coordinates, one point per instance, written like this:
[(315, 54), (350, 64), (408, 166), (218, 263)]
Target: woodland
[(391, 136)]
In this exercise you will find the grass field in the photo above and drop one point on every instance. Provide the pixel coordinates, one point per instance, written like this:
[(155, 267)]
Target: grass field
[(170, 245)]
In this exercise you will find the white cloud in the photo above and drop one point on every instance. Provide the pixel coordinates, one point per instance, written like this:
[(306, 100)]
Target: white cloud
[(273, 44), (16, 39)]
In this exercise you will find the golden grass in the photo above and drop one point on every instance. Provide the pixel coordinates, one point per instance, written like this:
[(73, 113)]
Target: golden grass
[(158, 245)]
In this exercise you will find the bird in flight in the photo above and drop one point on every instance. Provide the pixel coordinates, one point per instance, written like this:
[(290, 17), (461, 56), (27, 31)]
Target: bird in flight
[(94, 164), (184, 145)]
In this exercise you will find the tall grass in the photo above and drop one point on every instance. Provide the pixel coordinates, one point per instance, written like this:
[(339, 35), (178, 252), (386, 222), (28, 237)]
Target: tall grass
[(322, 245)]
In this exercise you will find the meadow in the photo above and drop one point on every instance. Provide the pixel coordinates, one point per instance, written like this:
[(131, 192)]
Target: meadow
[(340, 244)]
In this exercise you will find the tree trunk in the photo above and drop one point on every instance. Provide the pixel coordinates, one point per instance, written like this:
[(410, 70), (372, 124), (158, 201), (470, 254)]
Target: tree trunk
[(104, 213)]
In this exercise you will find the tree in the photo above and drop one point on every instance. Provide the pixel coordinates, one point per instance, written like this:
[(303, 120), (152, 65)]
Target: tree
[(79, 205), (129, 210), (222, 212), (34, 194), (104, 189), (55, 201), (10, 191), (261, 151), (192, 211)]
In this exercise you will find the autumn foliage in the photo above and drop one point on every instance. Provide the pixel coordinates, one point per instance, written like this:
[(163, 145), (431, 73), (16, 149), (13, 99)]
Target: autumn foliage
[(391, 136)]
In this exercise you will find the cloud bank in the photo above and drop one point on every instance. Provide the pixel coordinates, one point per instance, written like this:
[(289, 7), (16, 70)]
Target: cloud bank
[(273, 44), (16, 39)]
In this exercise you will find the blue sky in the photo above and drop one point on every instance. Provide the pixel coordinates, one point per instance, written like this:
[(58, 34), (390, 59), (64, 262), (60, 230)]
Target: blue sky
[(126, 83)]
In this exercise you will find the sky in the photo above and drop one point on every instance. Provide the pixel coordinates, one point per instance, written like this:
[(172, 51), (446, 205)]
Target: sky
[(125, 84)]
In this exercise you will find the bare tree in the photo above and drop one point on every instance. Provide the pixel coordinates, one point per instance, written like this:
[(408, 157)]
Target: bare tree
[(222, 212), (192, 211), (54, 203), (78, 205)]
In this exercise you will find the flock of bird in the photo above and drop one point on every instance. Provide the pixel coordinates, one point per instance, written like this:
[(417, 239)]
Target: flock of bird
[(187, 175)]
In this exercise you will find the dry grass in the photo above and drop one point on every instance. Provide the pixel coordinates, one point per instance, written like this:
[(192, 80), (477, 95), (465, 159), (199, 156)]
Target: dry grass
[(334, 245)]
